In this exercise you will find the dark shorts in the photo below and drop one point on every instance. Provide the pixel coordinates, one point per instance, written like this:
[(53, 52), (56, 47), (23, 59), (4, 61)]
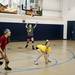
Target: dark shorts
[(29, 37)]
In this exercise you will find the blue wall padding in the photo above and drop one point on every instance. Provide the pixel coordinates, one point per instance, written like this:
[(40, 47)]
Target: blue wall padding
[(41, 32)]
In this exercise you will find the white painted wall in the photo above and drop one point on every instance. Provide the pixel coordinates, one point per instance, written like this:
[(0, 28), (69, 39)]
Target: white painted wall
[(68, 13), (52, 8), (36, 19)]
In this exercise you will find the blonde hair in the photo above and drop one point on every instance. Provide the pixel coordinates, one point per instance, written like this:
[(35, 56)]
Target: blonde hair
[(6, 31)]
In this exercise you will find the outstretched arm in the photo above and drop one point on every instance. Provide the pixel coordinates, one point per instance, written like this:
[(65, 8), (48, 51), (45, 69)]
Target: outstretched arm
[(27, 25), (35, 25)]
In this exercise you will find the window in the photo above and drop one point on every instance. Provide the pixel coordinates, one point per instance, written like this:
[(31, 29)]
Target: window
[(13, 6), (4, 2)]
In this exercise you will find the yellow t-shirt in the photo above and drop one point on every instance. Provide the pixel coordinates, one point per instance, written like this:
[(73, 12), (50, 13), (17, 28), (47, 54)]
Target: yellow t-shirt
[(43, 48)]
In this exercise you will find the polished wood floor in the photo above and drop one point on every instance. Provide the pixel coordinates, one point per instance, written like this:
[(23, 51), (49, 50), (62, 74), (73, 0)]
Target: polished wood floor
[(22, 60)]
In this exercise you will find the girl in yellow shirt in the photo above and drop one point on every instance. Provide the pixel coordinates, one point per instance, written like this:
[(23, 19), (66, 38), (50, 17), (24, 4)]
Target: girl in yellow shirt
[(45, 50)]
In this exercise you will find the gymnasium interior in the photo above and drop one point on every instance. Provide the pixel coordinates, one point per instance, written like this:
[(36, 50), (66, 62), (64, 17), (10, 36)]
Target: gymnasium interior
[(55, 20)]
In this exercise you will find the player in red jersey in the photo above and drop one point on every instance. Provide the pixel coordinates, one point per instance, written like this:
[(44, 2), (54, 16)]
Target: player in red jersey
[(4, 40)]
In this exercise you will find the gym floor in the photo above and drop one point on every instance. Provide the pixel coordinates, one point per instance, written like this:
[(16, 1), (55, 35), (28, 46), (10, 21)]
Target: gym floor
[(22, 60)]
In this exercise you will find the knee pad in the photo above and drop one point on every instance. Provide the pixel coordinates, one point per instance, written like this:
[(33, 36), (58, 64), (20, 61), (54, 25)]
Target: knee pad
[(27, 41), (7, 62), (32, 41)]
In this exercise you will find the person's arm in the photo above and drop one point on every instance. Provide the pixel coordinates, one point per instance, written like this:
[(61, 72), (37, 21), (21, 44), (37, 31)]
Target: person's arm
[(27, 25), (35, 25), (46, 42), (2, 53)]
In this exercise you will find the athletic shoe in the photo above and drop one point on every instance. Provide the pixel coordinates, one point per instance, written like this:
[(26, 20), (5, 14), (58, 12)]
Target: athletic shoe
[(7, 68), (36, 63)]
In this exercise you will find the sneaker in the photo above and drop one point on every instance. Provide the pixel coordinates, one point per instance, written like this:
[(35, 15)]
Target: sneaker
[(36, 63), (1, 62), (7, 68)]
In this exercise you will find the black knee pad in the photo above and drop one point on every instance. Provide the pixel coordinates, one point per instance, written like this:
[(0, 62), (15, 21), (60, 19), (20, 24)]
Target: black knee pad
[(27, 41), (32, 41), (7, 62)]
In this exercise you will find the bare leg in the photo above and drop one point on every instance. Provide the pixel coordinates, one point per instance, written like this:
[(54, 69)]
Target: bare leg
[(4, 56), (36, 61), (32, 40), (46, 58), (27, 43), (1, 58), (6, 60)]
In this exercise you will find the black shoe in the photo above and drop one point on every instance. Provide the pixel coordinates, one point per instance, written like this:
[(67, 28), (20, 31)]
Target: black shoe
[(33, 48), (26, 46), (7, 68), (1, 62)]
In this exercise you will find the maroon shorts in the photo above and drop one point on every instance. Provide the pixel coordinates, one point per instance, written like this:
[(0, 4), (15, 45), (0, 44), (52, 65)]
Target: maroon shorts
[(29, 38)]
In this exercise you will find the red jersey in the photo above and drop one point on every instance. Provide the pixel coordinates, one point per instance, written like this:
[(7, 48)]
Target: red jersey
[(3, 42)]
